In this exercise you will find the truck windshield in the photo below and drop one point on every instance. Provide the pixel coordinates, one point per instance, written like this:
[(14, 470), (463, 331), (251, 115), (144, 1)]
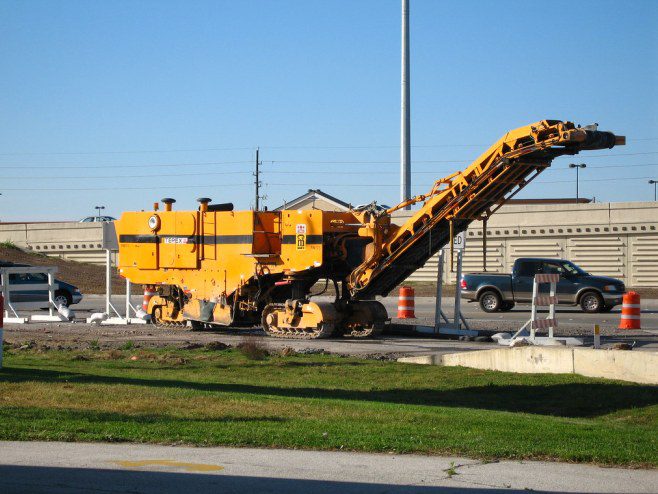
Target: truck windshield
[(571, 268)]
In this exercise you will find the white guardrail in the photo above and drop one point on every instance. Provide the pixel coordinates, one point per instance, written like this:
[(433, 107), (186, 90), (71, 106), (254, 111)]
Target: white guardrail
[(11, 315)]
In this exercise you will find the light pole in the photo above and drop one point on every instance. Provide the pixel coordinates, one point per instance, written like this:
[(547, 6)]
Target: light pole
[(405, 112), (577, 167), (99, 211), (654, 182)]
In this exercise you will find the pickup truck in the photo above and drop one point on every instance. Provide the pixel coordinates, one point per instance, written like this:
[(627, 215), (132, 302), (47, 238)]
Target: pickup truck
[(499, 292)]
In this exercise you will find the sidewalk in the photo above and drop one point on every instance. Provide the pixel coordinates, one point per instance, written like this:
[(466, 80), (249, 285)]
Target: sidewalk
[(119, 468)]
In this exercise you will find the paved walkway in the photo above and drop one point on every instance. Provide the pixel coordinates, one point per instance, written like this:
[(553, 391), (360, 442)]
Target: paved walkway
[(35, 467)]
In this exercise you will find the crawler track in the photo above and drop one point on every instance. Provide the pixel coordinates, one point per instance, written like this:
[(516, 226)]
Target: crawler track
[(325, 331)]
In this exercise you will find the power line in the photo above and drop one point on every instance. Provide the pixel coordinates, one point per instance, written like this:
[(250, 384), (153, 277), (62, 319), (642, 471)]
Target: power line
[(288, 184), (281, 172), (79, 189), (621, 154), (251, 148), (143, 151), (122, 177), (377, 162), (151, 165)]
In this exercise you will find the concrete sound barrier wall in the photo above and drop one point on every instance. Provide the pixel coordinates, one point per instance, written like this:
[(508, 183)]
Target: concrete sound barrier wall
[(613, 239), (82, 242)]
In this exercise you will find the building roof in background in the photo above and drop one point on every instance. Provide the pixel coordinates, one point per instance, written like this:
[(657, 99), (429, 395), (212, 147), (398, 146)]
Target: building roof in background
[(311, 195)]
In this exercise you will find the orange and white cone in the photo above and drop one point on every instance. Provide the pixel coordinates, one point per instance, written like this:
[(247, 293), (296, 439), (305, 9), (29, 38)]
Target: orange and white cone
[(149, 292), (406, 305), (630, 311)]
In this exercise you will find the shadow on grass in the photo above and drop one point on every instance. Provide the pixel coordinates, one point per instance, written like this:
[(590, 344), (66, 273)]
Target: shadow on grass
[(562, 400)]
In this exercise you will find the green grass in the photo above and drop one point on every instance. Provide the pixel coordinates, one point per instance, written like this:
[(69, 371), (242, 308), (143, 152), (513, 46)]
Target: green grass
[(323, 402)]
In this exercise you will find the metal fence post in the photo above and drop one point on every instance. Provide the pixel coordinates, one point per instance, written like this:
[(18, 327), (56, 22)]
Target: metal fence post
[(533, 316), (439, 293), (551, 309), (108, 280), (51, 294), (2, 331), (458, 292), (127, 299)]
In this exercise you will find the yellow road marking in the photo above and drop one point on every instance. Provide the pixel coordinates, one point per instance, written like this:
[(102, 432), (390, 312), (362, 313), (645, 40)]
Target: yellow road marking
[(190, 467)]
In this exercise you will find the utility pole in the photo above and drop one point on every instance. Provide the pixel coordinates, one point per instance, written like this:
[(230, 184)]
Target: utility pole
[(405, 130), (654, 182), (257, 182)]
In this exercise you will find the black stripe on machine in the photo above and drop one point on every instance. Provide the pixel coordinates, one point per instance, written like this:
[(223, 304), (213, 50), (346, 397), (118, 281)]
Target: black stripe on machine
[(185, 239), (310, 239)]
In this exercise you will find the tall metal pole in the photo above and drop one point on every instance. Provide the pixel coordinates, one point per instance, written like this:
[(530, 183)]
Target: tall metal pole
[(405, 135), (577, 167), (257, 182)]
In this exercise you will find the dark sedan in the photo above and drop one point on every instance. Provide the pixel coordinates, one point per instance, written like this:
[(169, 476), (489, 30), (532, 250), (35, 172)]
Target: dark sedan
[(65, 293)]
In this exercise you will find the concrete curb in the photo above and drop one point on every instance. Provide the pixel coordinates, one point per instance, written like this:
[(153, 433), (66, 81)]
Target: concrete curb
[(624, 365)]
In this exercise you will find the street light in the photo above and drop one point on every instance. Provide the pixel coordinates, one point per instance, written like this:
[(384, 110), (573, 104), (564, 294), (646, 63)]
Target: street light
[(654, 182), (99, 211), (577, 167)]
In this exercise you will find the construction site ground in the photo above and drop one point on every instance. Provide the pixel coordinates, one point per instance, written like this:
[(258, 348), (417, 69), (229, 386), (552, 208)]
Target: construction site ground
[(399, 339)]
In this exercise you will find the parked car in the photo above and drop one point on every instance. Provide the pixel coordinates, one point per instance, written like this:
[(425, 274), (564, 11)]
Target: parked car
[(65, 293), (499, 292), (92, 219)]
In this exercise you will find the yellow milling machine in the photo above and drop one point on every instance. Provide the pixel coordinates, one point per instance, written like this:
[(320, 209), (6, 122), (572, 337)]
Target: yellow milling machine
[(216, 266)]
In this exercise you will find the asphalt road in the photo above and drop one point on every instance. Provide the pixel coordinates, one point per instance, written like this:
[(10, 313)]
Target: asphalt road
[(80, 335), (34, 467), (567, 316)]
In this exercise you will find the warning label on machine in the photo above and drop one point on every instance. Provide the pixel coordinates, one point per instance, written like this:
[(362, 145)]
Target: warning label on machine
[(301, 237)]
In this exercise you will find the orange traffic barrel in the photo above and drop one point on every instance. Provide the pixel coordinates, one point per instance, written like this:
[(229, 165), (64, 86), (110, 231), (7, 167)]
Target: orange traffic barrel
[(406, 303), (149, 291), (630, 311)]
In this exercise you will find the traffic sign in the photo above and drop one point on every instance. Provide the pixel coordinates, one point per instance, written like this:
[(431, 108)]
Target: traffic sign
[(459, 242)]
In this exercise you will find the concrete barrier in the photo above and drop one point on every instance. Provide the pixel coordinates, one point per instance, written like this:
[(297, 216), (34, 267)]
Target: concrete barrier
[(422, 359), (624, 365), (530, 359), (639, 367)]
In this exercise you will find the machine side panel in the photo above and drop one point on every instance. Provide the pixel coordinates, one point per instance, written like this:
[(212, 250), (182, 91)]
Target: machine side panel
[(138, 246), (301, 239)]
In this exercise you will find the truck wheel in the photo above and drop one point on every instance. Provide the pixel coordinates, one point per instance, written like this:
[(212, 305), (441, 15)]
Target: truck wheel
[(62, 298), (591, 302), (490, 301)]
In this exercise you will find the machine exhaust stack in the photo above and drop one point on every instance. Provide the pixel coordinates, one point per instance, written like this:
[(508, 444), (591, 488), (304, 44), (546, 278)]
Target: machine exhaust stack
[(168, 202)]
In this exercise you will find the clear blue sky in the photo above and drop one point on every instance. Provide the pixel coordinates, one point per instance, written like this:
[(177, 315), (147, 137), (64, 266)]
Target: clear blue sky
[(122, 103)]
